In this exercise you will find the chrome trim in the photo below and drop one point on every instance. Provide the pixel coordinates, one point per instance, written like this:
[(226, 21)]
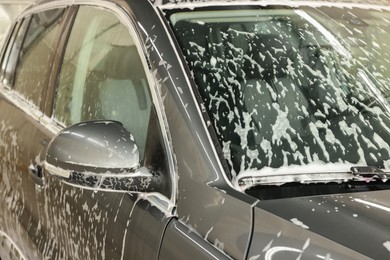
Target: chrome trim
[(54, 170)]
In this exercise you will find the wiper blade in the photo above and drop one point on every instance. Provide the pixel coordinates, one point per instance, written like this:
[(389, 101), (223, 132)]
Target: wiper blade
[(302, 174), (370, 172)]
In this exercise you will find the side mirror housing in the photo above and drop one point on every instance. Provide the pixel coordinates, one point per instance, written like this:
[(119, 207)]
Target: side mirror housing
[(99, 155)]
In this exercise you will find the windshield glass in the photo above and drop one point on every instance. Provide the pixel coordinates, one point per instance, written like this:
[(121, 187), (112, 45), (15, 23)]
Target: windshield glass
[(288, 87)]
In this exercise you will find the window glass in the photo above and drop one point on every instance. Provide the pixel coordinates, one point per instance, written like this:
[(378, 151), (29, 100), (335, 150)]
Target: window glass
[(288, 87), (102, 76), (37, 53), (13, 50)]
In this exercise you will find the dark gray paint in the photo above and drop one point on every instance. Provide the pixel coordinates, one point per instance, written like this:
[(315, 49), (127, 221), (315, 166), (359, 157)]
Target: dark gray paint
[(201, 180), (206, 202), (99, 155), (358, 221), (90, 144), (278, 238), (190, 243)]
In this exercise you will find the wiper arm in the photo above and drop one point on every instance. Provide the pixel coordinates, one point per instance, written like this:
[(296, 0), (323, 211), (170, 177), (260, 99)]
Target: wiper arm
[(370, 173), (302, 174)]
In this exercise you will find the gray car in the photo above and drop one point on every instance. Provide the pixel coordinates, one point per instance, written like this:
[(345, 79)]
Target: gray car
[(136, 129)]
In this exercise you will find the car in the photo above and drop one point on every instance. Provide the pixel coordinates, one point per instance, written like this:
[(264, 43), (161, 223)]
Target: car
[(160, 129)]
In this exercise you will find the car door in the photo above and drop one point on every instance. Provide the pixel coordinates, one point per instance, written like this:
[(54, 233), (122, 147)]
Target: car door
[(102, 75), (27, 57)]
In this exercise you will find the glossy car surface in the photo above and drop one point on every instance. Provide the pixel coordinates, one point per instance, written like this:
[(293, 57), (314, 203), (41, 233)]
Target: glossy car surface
[(196, 130)]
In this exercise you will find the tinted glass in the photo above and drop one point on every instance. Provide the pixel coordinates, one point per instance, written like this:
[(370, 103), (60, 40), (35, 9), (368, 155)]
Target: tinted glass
[(102, 76), (11, 55), (37, 53), (286, 87)]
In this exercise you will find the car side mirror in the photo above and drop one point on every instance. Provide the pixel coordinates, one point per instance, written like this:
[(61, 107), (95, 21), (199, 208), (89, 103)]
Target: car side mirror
[(99, 155)]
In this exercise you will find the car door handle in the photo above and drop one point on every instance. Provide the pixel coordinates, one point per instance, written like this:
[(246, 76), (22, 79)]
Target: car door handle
[(36, 174)]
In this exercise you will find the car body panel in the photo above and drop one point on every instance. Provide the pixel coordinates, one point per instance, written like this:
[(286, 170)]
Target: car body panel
[(18, 191), (180, 242), (277, 238), (348, 219)]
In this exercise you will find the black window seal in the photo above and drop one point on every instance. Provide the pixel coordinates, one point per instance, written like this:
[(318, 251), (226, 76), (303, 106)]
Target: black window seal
[(7, 47), (53, 75), (11, 81)]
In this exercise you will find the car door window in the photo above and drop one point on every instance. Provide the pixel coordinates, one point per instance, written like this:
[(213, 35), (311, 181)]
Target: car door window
[(37, 53), (11, 55), (102, 76)]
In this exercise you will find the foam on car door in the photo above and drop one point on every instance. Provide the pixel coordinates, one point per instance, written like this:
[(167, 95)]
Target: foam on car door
[(85, 223)]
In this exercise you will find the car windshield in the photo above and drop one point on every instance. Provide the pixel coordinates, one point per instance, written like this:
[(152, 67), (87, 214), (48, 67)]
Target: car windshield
[(288, 87)]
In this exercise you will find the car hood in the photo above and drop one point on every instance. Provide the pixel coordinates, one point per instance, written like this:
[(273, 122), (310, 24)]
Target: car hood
[(355, 225)]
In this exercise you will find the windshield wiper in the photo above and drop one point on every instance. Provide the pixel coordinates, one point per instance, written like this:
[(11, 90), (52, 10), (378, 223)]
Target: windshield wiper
[(301, 174), (370, 172)]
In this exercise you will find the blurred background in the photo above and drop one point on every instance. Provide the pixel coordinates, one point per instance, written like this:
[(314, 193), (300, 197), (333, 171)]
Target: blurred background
[(9, 9)]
